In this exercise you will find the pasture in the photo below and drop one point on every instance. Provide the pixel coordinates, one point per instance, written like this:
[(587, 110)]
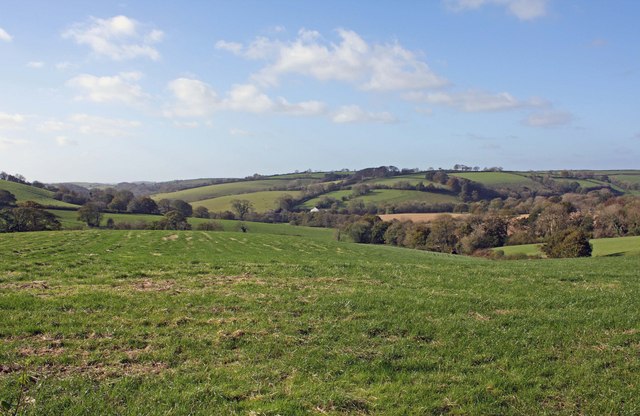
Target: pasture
[(31, 193), (620, 246), (499, 179), (240, 188), (419, 217), (200, 323)]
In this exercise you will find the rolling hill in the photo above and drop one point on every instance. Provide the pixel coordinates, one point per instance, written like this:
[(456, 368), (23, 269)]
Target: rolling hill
[(31, 193)]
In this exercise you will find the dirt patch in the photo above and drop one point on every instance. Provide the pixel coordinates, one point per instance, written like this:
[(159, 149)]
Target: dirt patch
[(148, 285), (420, 217), (50, 351), (36, 284), (172, 237), (479, 317), (9, 368)]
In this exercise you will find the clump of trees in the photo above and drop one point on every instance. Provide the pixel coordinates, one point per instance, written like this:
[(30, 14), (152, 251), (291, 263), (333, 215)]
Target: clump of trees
[(569, 242), (24, 216)]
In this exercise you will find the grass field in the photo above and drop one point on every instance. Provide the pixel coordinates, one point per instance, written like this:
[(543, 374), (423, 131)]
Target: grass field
[(621, 246), (262, 201), (227, 189), (69, 220), (499, 179), (419, 217), (201, 323), (31, 193)]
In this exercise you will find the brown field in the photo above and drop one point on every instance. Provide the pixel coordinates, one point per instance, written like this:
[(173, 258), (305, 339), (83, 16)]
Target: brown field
[(419, 217)]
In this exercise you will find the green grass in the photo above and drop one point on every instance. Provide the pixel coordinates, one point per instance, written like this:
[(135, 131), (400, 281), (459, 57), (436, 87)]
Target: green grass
[(499, 179), (397, 195), (226, 189), (31, 193), (262, 201), (413, 179), (69, 221), (201, 323), (620, 246), (628, 178), (381, 196)]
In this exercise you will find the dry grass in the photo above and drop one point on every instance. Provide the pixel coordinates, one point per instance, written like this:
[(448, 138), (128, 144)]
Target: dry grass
[(419, 217)]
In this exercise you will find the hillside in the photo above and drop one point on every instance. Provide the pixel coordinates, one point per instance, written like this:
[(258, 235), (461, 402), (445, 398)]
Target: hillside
[(31, 193), (620, 246), (166, 322)]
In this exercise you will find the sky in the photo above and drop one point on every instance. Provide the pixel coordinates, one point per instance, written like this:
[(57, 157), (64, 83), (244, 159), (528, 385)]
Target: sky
[(115, 91)]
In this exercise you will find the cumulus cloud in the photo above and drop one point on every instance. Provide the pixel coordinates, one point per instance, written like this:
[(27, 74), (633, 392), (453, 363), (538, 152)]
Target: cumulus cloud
[(64, 141), (103, 126), (195, 98), (121, 88), (81, 123), (118, 38), (6, 143), (11, 121), (549, 118), (522, 9), (239, 132), (355, 114), (4, 36), (35, 64), (374, 67), (473, 101)]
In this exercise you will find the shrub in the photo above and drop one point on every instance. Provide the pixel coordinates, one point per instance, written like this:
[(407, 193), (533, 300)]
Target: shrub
[(210, 226), (570, 242)]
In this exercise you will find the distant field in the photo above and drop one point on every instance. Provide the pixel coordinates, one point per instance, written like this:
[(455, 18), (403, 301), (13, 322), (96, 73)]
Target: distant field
[(621, 246), (202, 323), (419, 217), (226, 189), (411, 179), (262, 201), (631, 179), (396, 195), (69, 221), (499, 179), (31, 193)]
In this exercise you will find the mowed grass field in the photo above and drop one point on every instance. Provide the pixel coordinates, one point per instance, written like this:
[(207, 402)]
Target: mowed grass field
[(69, 221), (226, 189), (201, 323), (261, 201), (620, 246), (499, 179), (31, 193)]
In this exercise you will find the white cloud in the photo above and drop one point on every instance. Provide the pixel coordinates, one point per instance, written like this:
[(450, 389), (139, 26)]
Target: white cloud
[(194, 98), (63, 65), (102, 126), (375, 67), (186, 124), (118, 38), (4, 36), (90, 125), (473, 100), (64, 141), (35, 64), (119, 88), (354, 114), (550, 118), (233, 47), (11, 121), (239, 132), (522, 9), (6, 144)]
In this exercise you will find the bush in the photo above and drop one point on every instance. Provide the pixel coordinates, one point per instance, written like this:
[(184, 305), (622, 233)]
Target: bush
[(210, 226), (570, 242)]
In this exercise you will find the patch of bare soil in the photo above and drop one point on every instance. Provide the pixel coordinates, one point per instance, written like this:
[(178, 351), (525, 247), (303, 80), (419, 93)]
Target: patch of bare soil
[(172, 237), (148, 285)]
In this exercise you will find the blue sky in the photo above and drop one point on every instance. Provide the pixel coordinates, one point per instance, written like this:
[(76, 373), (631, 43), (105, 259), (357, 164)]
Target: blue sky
[(158, 90)]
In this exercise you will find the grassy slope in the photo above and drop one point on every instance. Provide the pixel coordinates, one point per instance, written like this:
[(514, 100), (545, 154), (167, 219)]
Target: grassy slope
[(69, 221), (601, 247), (388, 195), (31, 193), (226, 189), (262, 201), (499, 179), (228, 323)]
